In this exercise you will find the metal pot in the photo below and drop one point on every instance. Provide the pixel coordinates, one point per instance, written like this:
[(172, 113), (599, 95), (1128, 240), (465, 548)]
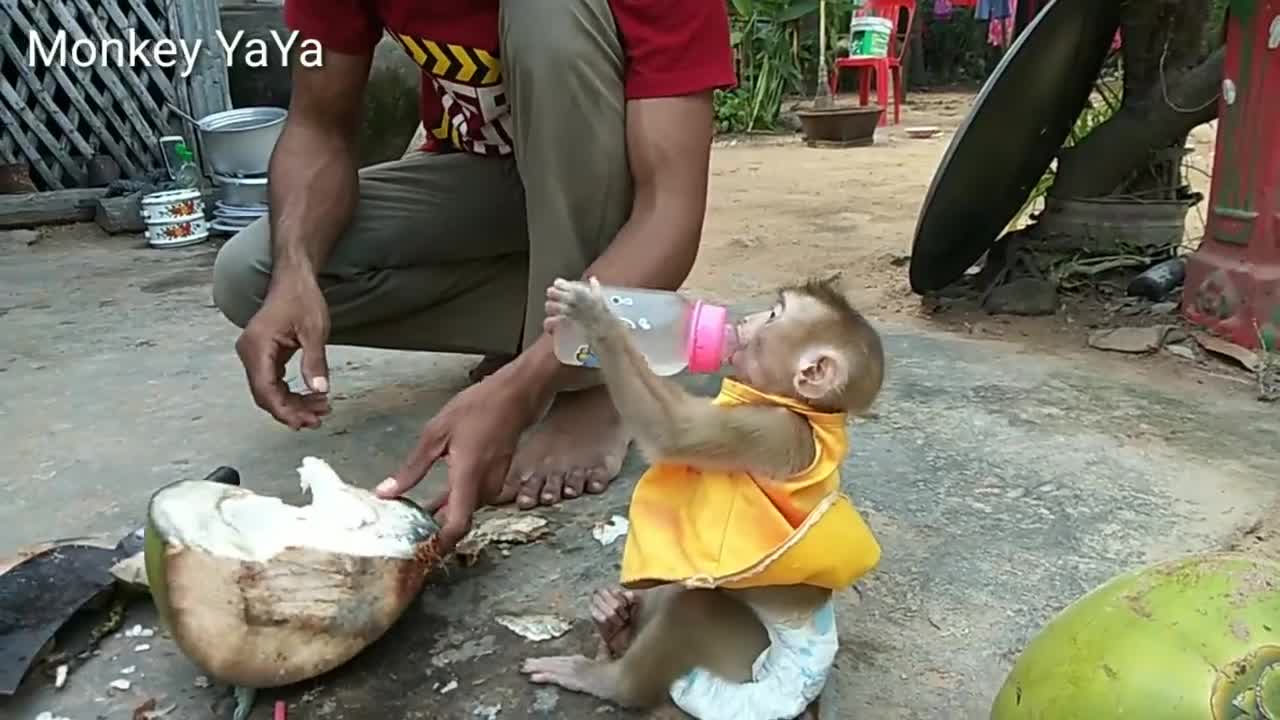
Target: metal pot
[(240, 141), (241, 191)]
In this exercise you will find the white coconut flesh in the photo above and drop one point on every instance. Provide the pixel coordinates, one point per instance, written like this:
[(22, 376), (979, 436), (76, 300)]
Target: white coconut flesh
[(235, 523)]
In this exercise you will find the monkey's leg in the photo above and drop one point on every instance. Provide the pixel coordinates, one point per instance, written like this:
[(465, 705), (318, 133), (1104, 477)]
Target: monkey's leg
[(680, 630)]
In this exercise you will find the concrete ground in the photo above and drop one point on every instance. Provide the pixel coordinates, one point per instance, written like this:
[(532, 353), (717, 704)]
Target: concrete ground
[(1002, 484)]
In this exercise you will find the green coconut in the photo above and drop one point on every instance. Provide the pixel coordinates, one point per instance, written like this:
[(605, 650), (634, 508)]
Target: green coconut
[(259, 593), (1196, 638)]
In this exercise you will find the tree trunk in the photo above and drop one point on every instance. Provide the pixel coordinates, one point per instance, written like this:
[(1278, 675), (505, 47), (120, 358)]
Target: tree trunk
[(1124, 144), (1170, 88)]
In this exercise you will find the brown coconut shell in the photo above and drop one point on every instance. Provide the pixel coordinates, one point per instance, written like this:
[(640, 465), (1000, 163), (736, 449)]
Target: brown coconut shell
[(293, 617)]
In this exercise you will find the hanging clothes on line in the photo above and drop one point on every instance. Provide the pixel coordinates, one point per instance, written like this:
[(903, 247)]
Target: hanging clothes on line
[(992, 10), (1000, 31)]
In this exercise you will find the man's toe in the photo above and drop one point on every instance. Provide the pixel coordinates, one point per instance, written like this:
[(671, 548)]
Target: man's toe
[(575, 483), (530, 491), (597, 480), (552, 488)]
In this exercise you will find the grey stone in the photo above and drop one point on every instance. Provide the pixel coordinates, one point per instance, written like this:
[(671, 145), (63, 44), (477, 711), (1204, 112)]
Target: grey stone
[(1129, 339)]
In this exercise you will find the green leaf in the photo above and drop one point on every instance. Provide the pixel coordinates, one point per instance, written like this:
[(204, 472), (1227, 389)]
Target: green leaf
[(797, 10)]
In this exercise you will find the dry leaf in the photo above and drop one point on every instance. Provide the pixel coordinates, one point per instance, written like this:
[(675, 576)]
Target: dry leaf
[(503, 530), (1216, 345), (535, 627), (607, 533)]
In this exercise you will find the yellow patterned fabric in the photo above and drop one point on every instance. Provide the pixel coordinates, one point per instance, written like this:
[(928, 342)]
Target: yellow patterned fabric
[(730, 529)]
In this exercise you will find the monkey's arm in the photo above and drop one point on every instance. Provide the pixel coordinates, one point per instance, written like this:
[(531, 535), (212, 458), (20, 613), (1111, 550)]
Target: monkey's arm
[(671, 425)]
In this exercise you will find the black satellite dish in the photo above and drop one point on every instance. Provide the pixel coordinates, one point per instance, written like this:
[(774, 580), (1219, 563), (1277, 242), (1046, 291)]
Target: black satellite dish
[(1017, 125)]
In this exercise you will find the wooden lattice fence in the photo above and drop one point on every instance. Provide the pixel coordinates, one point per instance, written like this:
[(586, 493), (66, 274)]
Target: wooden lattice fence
[(58, 117)]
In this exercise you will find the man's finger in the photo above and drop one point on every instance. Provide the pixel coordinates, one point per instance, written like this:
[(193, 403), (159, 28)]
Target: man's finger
[(437, 502), (264, 370), (464, 494), (315, 403), (429, 449), (315, 367)]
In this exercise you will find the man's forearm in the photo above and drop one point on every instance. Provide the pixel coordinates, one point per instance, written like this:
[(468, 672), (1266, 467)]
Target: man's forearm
[(313, 188), (669, 146), (647, 252)]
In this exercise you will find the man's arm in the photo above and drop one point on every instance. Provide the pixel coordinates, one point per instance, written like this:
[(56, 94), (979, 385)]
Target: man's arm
[(313, 180), (313, 187), (669, 148)]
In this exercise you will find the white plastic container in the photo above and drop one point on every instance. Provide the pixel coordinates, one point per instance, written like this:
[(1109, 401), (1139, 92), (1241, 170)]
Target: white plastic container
[(175, 218), (869, 36), (672, 332)]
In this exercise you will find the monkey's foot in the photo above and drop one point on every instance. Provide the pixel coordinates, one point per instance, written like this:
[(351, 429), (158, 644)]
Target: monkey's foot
[(614, 611), (578, 448), (568, 671)]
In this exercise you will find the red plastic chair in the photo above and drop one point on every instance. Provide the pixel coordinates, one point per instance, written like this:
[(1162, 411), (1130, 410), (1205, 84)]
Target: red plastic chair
[(883, 68)]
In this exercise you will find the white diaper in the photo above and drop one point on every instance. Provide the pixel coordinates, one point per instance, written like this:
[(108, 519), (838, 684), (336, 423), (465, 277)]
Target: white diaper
[(786, 678)]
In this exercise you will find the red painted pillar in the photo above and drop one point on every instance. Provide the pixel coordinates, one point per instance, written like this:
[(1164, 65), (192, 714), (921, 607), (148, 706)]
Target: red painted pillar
[(1233, 280)]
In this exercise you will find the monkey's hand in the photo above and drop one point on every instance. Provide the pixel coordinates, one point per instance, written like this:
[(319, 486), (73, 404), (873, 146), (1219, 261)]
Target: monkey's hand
[(581, 303)]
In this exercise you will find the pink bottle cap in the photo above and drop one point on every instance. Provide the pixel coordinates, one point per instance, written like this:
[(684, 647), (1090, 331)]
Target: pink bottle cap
[(706, 337)]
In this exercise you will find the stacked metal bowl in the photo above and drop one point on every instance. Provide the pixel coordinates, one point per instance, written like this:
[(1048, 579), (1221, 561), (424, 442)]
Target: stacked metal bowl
[(238, 144)]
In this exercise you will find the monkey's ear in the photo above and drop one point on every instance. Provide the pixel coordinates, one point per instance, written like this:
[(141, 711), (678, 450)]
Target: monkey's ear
[(820, 373)]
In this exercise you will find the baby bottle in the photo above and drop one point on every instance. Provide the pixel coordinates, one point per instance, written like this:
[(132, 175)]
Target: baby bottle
[(672, 332)]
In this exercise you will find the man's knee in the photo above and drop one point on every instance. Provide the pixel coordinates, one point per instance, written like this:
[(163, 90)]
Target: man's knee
[(241, 275), (574, 39)]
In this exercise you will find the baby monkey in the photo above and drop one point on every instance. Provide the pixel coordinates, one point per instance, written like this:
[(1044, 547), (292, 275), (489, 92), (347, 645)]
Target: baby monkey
[(739, 531)]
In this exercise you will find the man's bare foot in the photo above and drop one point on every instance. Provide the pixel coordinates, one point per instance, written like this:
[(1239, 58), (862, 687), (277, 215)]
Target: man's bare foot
[(613, 610), (488, 366), (577, 448)]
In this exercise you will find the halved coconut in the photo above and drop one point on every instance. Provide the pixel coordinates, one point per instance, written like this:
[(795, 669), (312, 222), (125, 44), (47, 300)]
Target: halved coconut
[(259, 593)]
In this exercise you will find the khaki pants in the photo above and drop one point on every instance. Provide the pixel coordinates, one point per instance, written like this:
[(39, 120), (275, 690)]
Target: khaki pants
[(453, 253)]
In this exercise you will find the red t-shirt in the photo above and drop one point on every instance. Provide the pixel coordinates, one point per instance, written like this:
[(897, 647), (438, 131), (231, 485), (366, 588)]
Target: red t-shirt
[(671, 47)]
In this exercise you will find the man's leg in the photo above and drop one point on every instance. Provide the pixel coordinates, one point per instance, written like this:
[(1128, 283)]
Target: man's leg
[(562, 65), (435, 259)]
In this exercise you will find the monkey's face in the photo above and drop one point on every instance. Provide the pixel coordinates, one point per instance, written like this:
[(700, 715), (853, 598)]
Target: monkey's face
[(773, 345)]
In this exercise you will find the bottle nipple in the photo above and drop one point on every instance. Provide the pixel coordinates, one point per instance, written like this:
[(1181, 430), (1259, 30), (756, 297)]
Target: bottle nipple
[(707, 337)]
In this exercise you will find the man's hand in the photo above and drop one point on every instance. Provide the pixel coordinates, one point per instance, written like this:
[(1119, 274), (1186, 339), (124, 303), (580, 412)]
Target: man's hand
[(476, 434), (580, 303), (294, 316)]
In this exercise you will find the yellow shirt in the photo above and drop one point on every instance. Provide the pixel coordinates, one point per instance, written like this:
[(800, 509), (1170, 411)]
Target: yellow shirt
[(732, 529)]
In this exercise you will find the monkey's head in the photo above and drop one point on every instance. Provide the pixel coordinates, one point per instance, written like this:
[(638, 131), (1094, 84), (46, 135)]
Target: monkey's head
[(812, 345)]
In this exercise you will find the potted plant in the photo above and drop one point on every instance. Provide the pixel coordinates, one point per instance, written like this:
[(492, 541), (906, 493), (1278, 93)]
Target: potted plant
[(827, 124)]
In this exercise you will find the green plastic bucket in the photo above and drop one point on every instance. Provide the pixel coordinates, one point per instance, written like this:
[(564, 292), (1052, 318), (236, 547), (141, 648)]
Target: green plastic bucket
[(869, 36)]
